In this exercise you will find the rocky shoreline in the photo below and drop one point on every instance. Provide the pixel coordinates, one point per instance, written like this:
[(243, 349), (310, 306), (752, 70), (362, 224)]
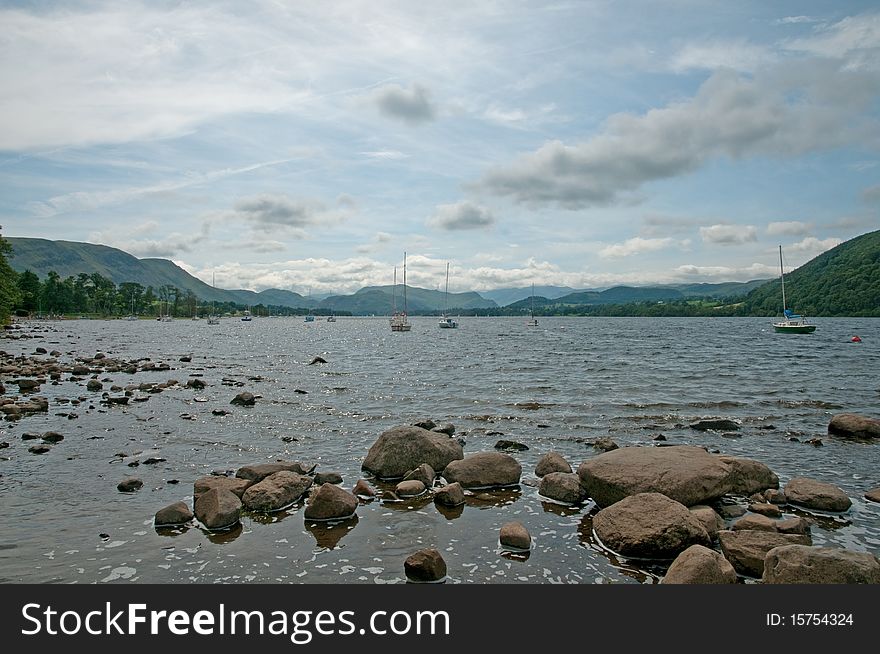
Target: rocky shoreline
[(702, 517)]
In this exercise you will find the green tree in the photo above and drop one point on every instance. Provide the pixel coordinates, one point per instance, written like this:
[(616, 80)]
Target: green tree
[(29, 288), (9, 293)]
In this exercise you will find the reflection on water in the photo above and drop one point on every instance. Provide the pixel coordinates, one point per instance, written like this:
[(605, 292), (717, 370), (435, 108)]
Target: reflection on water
[(559, 388)]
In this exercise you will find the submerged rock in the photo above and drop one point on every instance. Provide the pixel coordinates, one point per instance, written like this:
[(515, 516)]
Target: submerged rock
[(604, 444), (425, 566), (510, 445), (172, 515), (448, 429), (649, 525), (331, 503), (317, 360), (52, 437), (243, 399), (717, 424), (39, 449), (799, 564), (129, 485), (410, 488), (852, 425), (818, 495), (401, 449), (484, 470), (218, 509), (687, 474), (700, 565), (552, 462), (873, 495)]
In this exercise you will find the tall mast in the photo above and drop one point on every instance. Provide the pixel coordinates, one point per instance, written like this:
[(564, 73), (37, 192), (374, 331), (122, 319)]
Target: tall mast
[(782, 278), (446, 298), (393, 293), (404, 282)]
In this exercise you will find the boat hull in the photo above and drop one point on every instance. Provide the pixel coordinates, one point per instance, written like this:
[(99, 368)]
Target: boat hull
[(794, 329)]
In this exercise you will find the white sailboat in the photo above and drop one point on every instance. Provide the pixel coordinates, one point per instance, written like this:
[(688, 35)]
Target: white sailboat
[(445, 321), (213, 319), (399, 321), (791, 322), (532, 321)]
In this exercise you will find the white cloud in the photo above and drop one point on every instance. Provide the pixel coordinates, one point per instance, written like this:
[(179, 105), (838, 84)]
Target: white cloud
[(634, 246), (729, 234), (690, 272), (788, 228), (793, 111), (165, 248), (855, 39), (811, 247), (796, 20), (412, 106), (461, 215), (739, 55), (391, 155)]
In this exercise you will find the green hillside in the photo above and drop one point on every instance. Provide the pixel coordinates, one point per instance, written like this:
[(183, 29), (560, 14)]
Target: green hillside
[(378, 300)]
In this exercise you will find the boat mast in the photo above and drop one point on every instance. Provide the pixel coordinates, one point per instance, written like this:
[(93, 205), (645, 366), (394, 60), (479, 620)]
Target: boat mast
[(782, 279), (404, 283), (446, 296), (393, 293)]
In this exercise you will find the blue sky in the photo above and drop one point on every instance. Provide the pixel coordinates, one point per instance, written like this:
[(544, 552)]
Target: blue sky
[(307, 145)]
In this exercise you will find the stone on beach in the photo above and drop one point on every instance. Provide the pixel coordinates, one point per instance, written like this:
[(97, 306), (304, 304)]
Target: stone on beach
[(513, 446), (562, 487), (799, 564), (756, 522), (218, 509), (425, 566), (173, 515), (234, 485), (484, 470), (852, 425), (515, 535), (747, 548), (648, 525), (450, 495), (401, 449), (243, 399), (709, 518), (328, 478), (448, 429), (684, 473), (700, 565), (259, 471), (331, 503), (604, 444), (129, 485), (818, 495), (275, 492), (552, 462), (363, 489), (424, 473), (764, 508), (748, 476), (410, 488)]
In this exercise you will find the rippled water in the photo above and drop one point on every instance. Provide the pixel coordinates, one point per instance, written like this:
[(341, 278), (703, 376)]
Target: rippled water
[(555, 387)]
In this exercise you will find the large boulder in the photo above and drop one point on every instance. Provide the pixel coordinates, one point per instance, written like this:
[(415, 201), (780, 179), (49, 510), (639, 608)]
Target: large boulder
[(401, 449), (551, 462), (799, 564), (852, 425), (562, 487), (684, 473), (818, 495), (275, 492), (172, 515), (425, 566), (260, 471), (746, 549), (648, 525), (232, 484), (700, 565), (331, 503), (748, 476), (484, 470), (218, 509)]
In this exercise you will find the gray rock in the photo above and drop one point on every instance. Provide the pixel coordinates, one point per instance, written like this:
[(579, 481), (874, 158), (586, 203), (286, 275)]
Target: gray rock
[(717, 424), (852, 425), (363, 489), (604, 444), (746, 549), (512, 446), (731, 511), (515, 535), (424, 473), (259, 471), (484, 470), (234, 485), (798, 564), (756, 522), (94, 385), (39, 449), (450, 495), (552, 462), (410, 488), (331, 503), (648, 525), (277, 491), (196, 384), (563, 487), (709, 518), (818, 495), (425, 566), (244, 399), (52, 437), (873, 495), (700, 565), (748, 476), (687, 474), (775, 496), (172, 515), (425, 424), (448, 429), (218, 509), (129, 485), (401, 449), (328, 478)]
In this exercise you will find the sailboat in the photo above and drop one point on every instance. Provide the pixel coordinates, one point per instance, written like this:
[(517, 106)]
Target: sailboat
[(445, 321), (132, 315), (532, 321), (213, 319), (247, 315), (310, 316), (399, 322), (791, 322)]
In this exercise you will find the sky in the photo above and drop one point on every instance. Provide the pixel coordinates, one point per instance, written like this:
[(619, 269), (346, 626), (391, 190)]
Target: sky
[(308, 145)]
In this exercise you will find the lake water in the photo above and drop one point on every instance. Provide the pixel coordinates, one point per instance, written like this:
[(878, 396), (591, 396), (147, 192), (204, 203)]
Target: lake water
[(557, 386)]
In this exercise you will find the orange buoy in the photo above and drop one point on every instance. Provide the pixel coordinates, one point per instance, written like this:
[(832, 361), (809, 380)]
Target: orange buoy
[(856, 339)]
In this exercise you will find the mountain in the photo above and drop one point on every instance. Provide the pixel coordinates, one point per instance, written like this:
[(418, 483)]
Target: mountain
[(379, 299), (844, 281), (69, 258), (505, 296)]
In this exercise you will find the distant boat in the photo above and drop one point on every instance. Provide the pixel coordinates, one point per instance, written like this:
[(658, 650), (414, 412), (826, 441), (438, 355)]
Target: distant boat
[(310, 318), (331, 317), (445, 321), (791, 322), (399, 321), (213, 319), (532, 321), (132, 315), (247, 316)]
